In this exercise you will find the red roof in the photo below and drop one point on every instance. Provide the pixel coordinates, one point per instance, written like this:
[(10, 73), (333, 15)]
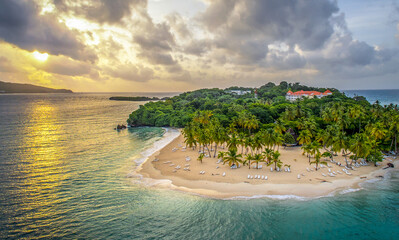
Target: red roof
[(309, 93)]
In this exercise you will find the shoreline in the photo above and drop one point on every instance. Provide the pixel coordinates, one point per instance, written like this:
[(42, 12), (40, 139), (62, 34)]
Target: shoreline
[(235, 185)]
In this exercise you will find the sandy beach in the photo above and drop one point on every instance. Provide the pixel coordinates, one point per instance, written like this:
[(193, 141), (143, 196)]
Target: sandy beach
[(161, 170)]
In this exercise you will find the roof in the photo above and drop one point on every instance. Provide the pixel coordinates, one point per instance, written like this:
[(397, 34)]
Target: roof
[(308, 93)]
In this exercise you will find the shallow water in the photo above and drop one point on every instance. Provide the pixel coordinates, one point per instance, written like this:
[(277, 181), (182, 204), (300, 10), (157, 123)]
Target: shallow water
[(63, 173)]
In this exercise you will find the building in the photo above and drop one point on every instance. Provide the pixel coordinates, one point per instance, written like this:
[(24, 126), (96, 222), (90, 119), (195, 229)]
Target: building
[(238, 92), (292, 96)]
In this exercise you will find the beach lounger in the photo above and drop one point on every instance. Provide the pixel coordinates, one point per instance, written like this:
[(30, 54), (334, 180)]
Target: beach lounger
[(324, 175), (252, 177), (271, 169), (299, 176), (307, 169), (329, 170), (265, 177), (224, 174), (249, 176)]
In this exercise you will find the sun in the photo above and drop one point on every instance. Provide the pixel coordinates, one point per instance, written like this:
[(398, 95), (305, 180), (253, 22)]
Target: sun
[(40, 56)]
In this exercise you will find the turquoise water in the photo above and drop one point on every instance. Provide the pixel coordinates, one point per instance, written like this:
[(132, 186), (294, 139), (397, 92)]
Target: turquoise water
[(64, 174)]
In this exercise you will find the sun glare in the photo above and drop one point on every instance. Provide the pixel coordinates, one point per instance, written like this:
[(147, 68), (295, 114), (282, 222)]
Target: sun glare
[(40, 56)]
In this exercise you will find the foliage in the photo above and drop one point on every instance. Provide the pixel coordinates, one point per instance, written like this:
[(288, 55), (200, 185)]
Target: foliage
[(288, 138), (215, 118)]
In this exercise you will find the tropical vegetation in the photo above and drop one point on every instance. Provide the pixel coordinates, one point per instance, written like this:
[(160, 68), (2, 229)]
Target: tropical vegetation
[(250, 128)]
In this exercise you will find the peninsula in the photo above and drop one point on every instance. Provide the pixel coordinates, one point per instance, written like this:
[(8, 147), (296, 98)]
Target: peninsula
[(245, 142), (7, 87)]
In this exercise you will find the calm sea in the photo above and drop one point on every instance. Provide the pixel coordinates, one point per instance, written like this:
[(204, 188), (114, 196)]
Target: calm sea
[(385, 97), (64, 174)]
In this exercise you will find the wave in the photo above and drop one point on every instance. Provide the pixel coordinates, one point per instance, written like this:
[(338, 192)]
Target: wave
[(350, 190), (277, 197), (168, 136)]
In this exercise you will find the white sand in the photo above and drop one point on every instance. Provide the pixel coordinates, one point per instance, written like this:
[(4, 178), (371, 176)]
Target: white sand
[(163, 174)]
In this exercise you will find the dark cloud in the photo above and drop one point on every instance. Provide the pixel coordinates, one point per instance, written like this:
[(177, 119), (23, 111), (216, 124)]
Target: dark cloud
[(248, 27), (21, 24), (156, 43), (197, 47), (102, 11)]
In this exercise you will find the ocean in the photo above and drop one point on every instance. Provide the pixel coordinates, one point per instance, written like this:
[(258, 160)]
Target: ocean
[(65, 173), (385, 97)]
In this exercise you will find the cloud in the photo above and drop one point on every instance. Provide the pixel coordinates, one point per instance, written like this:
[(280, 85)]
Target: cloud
[(131, 72), (6, 65), (102, 11), (65, 66), (155, 43), (246, 28), (21, 24)]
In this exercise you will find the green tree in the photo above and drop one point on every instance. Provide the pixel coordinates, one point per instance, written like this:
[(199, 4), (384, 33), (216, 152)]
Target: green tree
[(232, 158)]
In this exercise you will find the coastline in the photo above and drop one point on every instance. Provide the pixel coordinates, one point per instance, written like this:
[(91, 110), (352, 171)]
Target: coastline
[(235, 185)]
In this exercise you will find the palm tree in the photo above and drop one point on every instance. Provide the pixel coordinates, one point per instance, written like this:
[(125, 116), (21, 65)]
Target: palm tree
[(359, 145), (276, 160), (267, 154), (327, 155), (279, 126), (221, 155), (317, 161), (305, 137), (200, 157), (189, 137), (232, 158), (252, 123), (257, 157), (241, 141), (248, 160), (233, 142), (356, 112), (307, 148)]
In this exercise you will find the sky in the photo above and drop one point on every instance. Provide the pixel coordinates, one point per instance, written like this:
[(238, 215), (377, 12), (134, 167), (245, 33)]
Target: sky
[(183, 45)]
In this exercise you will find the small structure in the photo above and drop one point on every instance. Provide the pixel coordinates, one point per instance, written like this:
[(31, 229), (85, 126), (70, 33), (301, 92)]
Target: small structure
[(239, 92), (292, 96)]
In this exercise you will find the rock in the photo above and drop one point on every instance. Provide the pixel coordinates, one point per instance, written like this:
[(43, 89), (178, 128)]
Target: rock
[(119, 127)]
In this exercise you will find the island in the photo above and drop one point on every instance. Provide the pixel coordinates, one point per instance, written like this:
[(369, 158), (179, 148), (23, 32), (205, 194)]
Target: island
[(7, 87), (137, 99), (285, 139)]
